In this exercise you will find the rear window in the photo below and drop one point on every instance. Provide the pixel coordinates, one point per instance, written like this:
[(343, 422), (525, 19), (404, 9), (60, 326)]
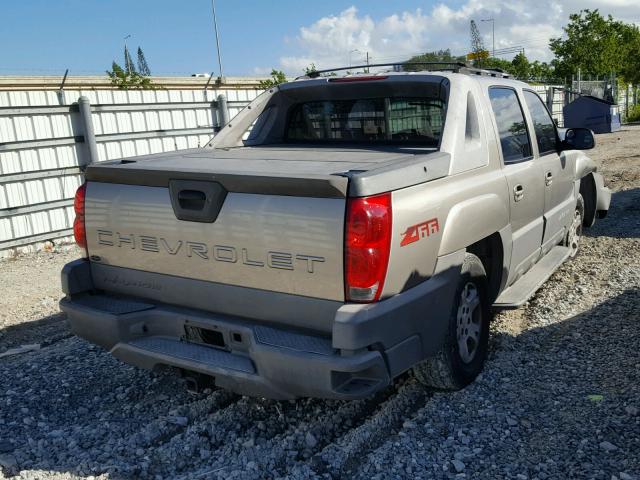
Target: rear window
[(391, 120)]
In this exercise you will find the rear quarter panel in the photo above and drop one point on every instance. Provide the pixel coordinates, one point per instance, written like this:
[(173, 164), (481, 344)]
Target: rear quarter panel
[(446, 215)]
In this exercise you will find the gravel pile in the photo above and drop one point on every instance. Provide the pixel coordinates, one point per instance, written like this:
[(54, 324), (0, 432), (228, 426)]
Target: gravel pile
[(559, 398)]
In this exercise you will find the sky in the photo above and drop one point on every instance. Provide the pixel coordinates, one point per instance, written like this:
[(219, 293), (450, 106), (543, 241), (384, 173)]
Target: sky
[(45, 37)]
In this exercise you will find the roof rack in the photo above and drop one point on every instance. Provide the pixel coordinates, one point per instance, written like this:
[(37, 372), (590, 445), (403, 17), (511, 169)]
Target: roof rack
[(491, 72), (456, 67)]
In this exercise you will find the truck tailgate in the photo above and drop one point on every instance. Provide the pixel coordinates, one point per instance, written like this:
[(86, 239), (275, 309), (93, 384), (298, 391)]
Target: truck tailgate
[(279, 243)]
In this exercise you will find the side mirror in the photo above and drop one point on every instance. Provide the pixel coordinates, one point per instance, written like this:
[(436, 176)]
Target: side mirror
[(576, 138)]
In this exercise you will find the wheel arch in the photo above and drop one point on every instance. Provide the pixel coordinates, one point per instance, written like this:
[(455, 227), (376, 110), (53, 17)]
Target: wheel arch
[(590, 198), (472, 220), (490, 251), (584, 165)]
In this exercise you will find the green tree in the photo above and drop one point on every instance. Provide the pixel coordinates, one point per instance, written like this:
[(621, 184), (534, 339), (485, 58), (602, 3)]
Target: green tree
[(521, 66), (496, 63), (143, 67), (594, 44), (277, 77), (630, 39), (542, 72), (435, 56), (310, 70), (127, 80)]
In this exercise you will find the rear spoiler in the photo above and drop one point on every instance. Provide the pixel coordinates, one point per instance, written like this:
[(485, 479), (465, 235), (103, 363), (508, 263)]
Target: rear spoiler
[(323, 186)]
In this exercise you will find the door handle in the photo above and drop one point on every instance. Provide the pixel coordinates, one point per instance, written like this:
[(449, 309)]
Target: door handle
[(518, 192), (196, 200), (191, 199), (548, 179)]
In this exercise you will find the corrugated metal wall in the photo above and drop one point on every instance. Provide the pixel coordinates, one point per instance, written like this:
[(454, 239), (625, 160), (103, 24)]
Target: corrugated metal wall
[(41, 145)]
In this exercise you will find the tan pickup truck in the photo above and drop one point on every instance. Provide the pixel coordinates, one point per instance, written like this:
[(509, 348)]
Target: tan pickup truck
[(340, 231)]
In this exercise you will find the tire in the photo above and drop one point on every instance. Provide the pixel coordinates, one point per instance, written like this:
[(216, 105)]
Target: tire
[(572, 238), (589, 199), (454, 367)]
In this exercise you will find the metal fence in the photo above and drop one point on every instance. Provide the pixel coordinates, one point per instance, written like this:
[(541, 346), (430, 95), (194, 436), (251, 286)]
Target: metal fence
[(44, 145), (554, 97), (608, 88), (47, 136)]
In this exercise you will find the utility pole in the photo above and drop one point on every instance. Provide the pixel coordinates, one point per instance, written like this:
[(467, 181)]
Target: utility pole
[(215, 26), (367, 61), (493, 34), (479, 53)]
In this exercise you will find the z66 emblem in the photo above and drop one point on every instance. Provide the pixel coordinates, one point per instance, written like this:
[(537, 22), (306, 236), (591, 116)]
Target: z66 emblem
[(421, 230)]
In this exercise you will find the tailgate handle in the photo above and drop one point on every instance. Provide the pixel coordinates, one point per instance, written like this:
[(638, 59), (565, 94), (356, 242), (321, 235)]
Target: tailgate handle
[(192, 199), (196, 200)]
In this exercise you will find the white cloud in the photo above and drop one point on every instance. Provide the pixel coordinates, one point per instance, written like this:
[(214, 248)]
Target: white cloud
[(261, 71), (335, 39)]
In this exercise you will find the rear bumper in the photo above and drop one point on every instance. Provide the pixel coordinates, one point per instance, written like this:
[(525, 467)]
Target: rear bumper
[(370, 344), (257, 360)]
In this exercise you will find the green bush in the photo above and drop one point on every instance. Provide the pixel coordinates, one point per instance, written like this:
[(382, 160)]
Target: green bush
[(633, 115)]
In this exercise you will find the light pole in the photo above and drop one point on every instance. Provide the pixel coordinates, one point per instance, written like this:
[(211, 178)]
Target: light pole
[(350, 52), (215, 26), (493, 34)]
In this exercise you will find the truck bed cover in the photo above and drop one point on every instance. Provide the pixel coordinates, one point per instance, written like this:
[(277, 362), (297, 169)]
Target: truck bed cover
[(300, 170)]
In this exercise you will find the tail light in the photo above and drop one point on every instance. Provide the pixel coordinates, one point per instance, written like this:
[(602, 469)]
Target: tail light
[(367, 244), (79, 231)]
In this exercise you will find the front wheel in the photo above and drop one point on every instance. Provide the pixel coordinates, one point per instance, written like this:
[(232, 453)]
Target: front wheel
[(464, 351), (572, 239)]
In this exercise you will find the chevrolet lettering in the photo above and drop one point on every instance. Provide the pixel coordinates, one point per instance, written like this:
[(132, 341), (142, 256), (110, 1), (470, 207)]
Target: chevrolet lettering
[(198, 250)]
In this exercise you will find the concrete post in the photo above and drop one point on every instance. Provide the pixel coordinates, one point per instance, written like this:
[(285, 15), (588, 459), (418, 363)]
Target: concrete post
[(84, 107), (550, 94), (579, 89), (223, 110)]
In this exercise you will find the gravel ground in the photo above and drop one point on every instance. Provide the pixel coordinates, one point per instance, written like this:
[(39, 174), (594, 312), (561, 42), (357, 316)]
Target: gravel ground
[(559, 398), (30, 312)]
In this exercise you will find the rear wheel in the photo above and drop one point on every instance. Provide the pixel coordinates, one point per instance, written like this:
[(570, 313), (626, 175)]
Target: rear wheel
[(463, 354)]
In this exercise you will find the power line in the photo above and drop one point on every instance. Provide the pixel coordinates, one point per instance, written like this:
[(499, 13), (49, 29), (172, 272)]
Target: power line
[(536, 41)]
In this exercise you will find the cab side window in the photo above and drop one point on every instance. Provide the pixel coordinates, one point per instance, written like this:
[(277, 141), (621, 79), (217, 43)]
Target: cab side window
[(512, 128), (542, 123)]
